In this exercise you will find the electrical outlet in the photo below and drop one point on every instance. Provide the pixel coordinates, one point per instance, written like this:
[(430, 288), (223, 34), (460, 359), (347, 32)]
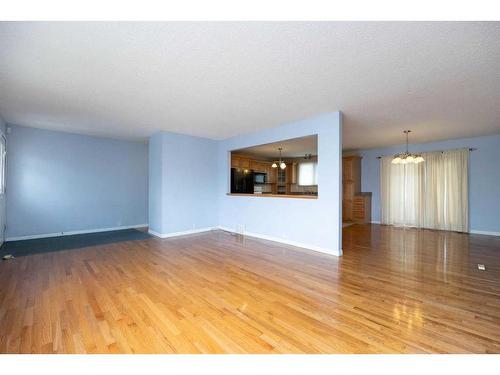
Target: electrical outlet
[(481, 267)]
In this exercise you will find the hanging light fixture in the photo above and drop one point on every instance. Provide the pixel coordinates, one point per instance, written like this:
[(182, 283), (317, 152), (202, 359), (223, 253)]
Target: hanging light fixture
[(281, 163), (406, 157)]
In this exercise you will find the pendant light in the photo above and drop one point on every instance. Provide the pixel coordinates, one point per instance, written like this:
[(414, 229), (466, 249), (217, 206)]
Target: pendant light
[(406, 157), (281, 163)]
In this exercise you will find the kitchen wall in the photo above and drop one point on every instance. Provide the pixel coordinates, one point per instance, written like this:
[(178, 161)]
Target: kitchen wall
[(61, 182), (484, 177), (182, 184), (310, 223)]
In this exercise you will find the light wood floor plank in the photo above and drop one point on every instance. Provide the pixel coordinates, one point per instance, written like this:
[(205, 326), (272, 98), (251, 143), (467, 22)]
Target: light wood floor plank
[(394, 291)]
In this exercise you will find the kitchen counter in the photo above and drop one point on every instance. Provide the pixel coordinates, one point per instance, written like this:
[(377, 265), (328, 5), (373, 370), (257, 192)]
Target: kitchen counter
[(299, 196)]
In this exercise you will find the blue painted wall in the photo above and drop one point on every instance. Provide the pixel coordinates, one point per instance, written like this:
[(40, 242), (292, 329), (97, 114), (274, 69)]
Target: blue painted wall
[(484, 177), (313, 223), (60, 182), (182, 183), (3, 216), (156, 183)]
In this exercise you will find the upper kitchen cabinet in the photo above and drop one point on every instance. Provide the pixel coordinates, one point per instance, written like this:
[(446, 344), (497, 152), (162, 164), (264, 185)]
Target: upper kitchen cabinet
[(259, 166), (238, 161)]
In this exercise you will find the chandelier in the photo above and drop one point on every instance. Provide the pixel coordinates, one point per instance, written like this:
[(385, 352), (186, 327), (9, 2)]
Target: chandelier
[(280, 162), (406, 157)]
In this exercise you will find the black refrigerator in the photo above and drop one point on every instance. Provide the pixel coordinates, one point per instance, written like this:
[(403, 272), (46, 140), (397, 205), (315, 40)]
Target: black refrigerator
[(241, 181)]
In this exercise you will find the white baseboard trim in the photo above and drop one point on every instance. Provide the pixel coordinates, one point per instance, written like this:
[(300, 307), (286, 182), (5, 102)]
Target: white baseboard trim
[(472, 231), (284, 241), (73, 232), (487, 233), (183, 233)]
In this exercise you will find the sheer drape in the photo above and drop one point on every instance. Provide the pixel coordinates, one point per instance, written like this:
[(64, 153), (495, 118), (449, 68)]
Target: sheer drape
[(432, 194), (434, 190), (401, 189), (456, 179)]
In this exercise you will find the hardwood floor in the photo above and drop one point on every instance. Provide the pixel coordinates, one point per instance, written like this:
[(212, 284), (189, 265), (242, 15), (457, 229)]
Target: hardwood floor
[(393, 291)]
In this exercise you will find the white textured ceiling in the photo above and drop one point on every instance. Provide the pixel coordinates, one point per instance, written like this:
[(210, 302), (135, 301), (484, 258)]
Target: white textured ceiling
[(128, 80), (291, 148)]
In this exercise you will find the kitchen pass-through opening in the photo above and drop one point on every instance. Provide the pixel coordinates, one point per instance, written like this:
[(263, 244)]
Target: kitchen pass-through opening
[(287, 169)]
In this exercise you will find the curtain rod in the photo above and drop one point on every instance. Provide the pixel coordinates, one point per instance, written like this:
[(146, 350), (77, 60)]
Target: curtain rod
[(470, 149)]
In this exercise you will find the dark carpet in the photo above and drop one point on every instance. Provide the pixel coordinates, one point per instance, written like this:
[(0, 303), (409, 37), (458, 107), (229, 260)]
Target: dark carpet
[(77, 241)]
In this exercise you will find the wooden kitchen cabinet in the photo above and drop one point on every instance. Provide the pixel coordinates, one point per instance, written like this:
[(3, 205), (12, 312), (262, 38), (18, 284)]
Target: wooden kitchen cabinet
[(351, 184), (245, 163), (291, 173), (238, 161), (272, 174), (235, 161), (290, 176), (362, 208), (347, 210), (258, 166)]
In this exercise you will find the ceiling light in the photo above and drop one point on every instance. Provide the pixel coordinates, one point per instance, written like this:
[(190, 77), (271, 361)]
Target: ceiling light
[(280, 162), (406, 157)]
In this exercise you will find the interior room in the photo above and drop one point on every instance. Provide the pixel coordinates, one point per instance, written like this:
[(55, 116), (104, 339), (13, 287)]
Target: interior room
[(249, 187), (285, 169)]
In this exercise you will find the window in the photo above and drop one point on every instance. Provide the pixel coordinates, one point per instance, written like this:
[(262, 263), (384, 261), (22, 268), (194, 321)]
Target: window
[(432, 194), (308, 174)]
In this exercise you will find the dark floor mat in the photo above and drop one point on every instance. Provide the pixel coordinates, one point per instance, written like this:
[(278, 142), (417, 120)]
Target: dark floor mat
[(45, 245)]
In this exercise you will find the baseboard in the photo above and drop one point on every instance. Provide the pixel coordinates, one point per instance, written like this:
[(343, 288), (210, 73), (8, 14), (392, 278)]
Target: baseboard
[(286, 242), (487, 233), (183, 233), (472, 231), (73, 232)]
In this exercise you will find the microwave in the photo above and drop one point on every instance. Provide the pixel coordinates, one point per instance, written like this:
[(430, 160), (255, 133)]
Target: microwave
[(259, 178)]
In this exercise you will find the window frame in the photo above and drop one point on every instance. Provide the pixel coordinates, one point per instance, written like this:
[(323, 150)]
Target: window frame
[(314, 175)]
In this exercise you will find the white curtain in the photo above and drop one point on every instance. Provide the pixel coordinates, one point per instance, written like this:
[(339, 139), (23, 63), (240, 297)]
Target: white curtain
[(456, 195), (432, 194), (434, 190), (402, 193)]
